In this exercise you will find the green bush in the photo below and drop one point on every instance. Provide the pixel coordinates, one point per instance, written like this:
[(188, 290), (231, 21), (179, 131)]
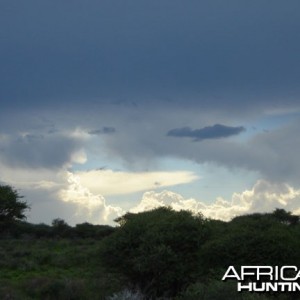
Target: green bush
[(157, 250), (87, 230), (252, 240)]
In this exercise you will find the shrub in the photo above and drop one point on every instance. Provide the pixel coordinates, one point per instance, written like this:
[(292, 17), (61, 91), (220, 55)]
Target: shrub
[(87, 230), (157, 250)]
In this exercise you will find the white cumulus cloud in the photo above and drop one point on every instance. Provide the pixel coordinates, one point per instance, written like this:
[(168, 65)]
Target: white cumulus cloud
[(263, 197), (90, 207)]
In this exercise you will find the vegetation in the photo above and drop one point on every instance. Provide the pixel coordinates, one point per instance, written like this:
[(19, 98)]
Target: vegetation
[(11, 207), (158, 254), (177, 254), (54, 269), (159, 250)]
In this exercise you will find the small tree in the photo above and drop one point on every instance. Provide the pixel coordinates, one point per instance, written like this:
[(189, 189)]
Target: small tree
[(11, 207), (60, 228), (285, 217), (157, 250)]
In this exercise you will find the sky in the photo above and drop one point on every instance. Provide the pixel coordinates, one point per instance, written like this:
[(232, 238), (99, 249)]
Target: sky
[(115, 106)]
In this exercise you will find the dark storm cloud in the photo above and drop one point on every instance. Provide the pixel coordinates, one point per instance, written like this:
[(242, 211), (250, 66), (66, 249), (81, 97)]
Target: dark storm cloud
[(39, 151), (104, 130), (210, 132), (54, 53)]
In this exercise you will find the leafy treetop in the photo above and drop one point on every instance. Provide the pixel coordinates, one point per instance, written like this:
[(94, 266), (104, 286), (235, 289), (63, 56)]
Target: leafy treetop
[(11, 206)]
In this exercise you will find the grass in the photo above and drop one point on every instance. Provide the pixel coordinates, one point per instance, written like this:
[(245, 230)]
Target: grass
[(54, 269)]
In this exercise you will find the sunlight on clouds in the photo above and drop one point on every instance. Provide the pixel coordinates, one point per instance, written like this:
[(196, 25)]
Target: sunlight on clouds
[(79, 157), (91, 207), (108, 182), (84, 192), (263, 197), (31, 178), (48, 187)]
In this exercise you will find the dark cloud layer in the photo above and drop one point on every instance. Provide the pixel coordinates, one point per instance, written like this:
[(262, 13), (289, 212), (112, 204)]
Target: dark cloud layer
[(57, 53), (210, 132)]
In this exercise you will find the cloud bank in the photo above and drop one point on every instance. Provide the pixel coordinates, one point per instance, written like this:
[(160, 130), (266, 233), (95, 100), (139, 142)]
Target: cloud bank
[(76, 197), (263, 197)]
